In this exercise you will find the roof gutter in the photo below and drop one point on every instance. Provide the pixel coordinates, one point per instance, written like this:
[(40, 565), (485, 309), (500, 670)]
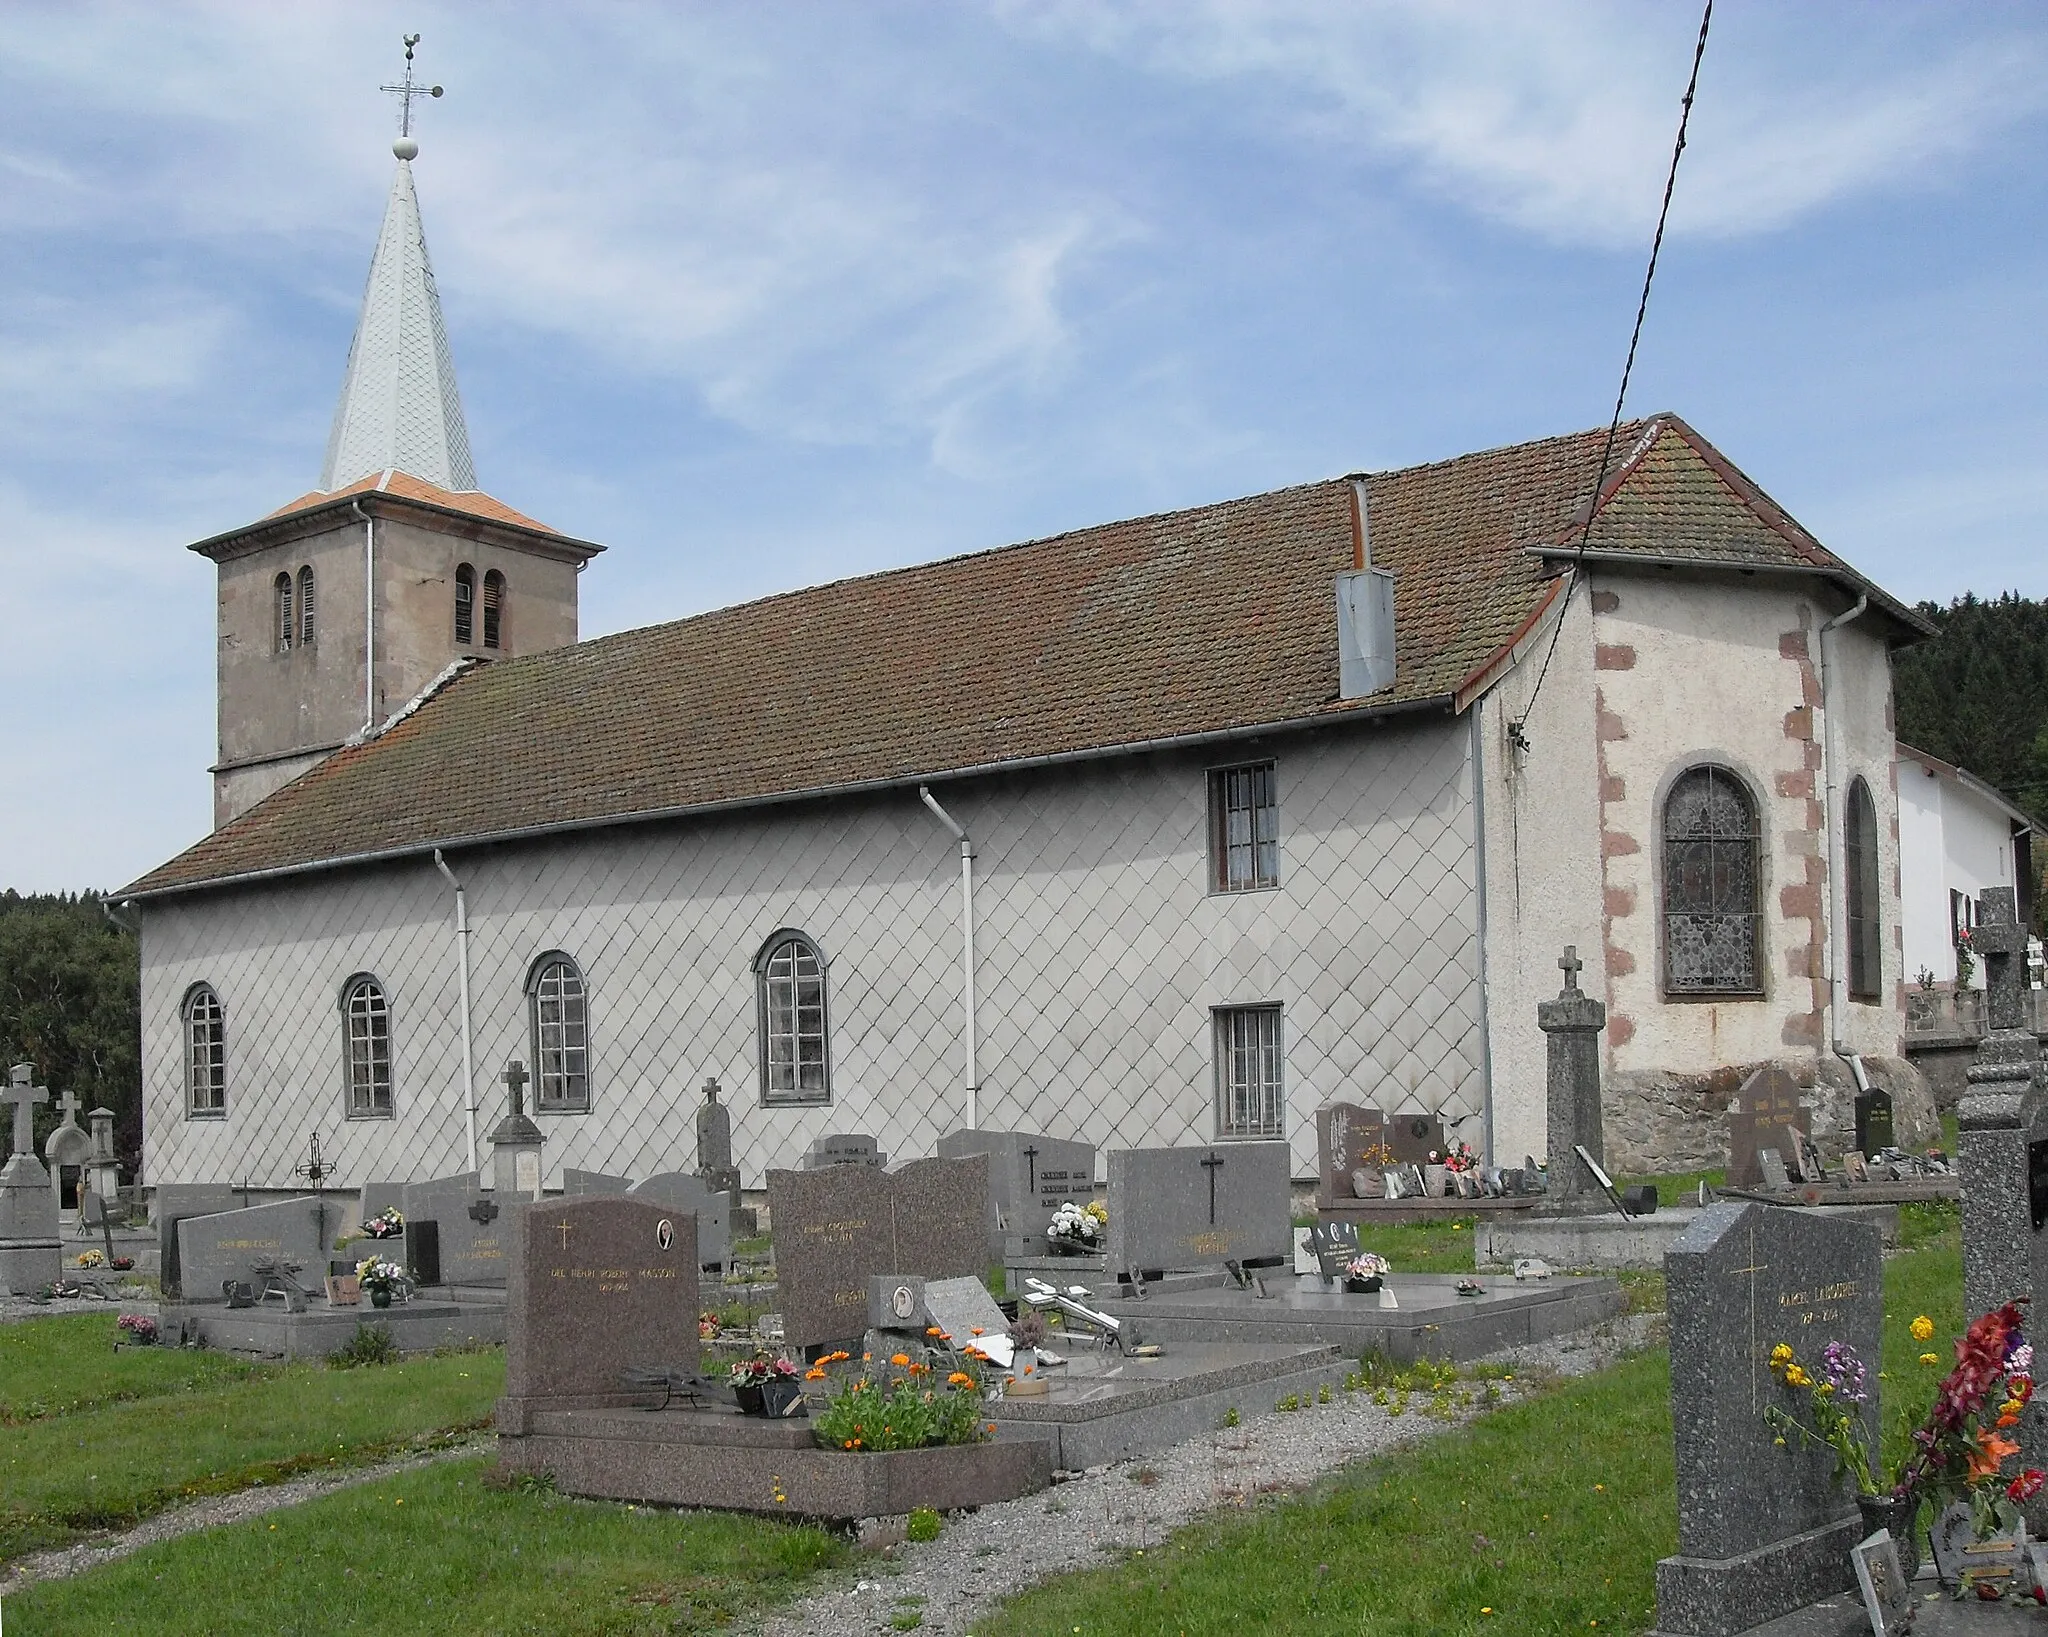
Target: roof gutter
[(1445, 702), (1848, 579)]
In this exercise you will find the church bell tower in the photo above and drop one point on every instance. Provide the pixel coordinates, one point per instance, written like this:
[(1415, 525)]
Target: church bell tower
[(343, 605)]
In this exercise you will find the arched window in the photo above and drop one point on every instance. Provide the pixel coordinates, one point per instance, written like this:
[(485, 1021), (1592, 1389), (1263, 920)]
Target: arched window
[(366, 1043), (1712, 891), (206, 1052), (494, 610), (282, 621), (306, 606), (560, 1014), (465, 605), (795, 1062), (1859, 856)]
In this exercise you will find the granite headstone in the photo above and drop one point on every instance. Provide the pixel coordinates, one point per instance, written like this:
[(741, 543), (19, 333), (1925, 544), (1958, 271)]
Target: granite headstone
[(1029, 1178), (1414, 1136), (1183, 1208), (844, 1148), (473, 1227), (216, 1250), (1768, 1112), (575, 1182), (171, 1204), (1351, 1143), (681, 1191), (1762, 1528), (838, 1226)]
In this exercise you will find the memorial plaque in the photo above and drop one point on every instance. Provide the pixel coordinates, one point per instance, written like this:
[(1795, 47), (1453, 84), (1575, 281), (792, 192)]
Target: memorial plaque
[(216, 1250), (844, 1148), (1414, 1136), (1767, 1115), (598, 1285), (837, 1227), (1029, 1178), (1183, 1208), (1351, 1143), (681, 1191)]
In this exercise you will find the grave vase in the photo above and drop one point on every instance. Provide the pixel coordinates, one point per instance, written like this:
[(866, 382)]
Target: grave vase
[(1896, 1514), (380, 1297), (1362, 1287), (1433, 1180)]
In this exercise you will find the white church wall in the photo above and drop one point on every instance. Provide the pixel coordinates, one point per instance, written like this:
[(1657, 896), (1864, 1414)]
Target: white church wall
[(1100, 956)]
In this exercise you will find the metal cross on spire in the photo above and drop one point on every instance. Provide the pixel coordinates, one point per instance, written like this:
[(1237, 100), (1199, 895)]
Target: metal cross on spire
[(406, 90)]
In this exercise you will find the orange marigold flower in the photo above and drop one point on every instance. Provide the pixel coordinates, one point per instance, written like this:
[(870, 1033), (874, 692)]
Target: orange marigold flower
[(899, 1359), (814, 1373), (959, 1378)]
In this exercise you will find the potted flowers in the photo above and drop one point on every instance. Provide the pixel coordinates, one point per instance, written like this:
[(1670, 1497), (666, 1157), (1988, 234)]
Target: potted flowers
[(1363, 1273), (1076, 1229), (380, 1278), (136, 1329), (766, 1386), (1027, 1334)]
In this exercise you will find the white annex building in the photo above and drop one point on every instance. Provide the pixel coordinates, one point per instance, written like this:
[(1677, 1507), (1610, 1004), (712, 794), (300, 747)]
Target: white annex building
[(1957, 836), (1157, 832)]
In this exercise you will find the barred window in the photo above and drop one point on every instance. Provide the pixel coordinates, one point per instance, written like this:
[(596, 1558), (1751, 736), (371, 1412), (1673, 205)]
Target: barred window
[(1859, 856), (1244, 828), (1251, 1096), (306, 606), (465, 605), (795, 1061), (366, 1048), (281, 634), (1712, 887), (561, 1035), (206, 1052), (494, 610)]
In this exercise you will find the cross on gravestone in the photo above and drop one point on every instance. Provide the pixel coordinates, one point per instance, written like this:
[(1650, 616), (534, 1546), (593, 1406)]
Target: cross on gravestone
[(484, 1211), (1031, 1166), (24, 1096), (1212, 1163), (1571, 966), (515, 1078), (2002, 943)]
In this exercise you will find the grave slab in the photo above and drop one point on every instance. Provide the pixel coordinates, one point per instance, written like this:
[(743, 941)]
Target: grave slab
[(1176, 1208), (270, 1332), (1613, 1242)]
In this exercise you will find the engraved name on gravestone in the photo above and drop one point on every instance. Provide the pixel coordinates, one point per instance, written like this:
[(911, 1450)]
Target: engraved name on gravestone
[(844, 1148), (598, 1285), (1349, 1138), (837, 1227), (215, 1250), (681, 1191), (473, 1228), (1762, 1528), (1029, 1178), (1768, 1114), (171, 1204), (1182, 1208)]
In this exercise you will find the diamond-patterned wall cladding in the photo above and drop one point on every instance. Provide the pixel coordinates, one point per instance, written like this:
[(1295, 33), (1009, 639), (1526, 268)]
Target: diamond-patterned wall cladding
[(1100, 955)]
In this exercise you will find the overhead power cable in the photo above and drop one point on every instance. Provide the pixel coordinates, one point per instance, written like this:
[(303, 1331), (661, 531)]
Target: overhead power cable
[(1699, 52)]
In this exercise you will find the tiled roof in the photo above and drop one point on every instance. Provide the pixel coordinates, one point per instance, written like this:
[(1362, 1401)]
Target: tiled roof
[(408, 487), (1197, 622)]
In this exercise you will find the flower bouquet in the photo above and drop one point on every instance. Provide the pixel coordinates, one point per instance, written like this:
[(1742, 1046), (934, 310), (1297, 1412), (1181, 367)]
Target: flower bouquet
[(137, 1329), (766, 1386), (386, 1224), (92, 1259), (380, 1278), (1077, 1230), (1363, 1273)]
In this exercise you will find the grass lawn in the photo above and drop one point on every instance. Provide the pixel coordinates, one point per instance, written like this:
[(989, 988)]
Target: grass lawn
[(59, 1366), (210, 1425), (435, 1551), (1543, 1517)]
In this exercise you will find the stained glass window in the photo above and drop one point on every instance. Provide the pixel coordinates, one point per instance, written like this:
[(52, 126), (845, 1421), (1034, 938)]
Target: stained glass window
[(1859, 855), (1712, 896)]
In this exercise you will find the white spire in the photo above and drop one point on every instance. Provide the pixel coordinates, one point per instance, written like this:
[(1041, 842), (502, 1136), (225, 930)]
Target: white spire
[(399, 407)]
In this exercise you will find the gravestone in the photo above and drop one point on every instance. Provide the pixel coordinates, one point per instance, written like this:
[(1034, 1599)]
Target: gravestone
[(515, 1142), (715, 1166), (2002, 1153), (1762, 1529), (173, 1202), (575, 1182), (67, 1146), (1350, 1139), (1571, 1025), (30, 1255), (680, 1191), (225, 1248), (597, 1286), (1182, 1208), (837, 1227), (843, 1148), (473, 1229), (963, 1307), (1414, 1136), (1029, 1178), (1769, 1113), (104, 1167)]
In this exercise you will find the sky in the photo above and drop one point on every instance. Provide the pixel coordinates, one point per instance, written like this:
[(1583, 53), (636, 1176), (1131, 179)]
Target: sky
[(763, 296)]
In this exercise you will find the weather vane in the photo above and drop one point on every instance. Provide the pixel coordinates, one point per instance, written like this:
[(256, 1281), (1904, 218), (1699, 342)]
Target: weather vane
[(406, 90)]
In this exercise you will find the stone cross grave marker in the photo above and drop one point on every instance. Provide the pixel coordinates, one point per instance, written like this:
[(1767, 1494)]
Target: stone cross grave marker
[(1572, 1025), (837, 1227), (680, 1191), (1182, 1208), (516, 1141), (1350, 1139), (599, 1286), (30, 1255), (2002, 1153), (1029, 1178), (1762, 1529), (1768, 1113)]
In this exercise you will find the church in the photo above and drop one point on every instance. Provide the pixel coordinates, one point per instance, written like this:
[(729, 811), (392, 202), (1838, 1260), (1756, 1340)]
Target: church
[(1157, 832)]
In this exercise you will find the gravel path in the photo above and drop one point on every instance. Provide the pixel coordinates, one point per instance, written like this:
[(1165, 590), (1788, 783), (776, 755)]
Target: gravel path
[(987, 1555), (65, 1561)]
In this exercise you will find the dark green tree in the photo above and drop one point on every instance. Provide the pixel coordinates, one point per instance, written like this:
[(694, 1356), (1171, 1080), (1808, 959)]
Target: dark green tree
[(70, 1003)]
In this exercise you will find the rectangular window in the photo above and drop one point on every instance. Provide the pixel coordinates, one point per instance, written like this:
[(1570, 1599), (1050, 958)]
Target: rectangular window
[(1244, 828), (1251, 1097)]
